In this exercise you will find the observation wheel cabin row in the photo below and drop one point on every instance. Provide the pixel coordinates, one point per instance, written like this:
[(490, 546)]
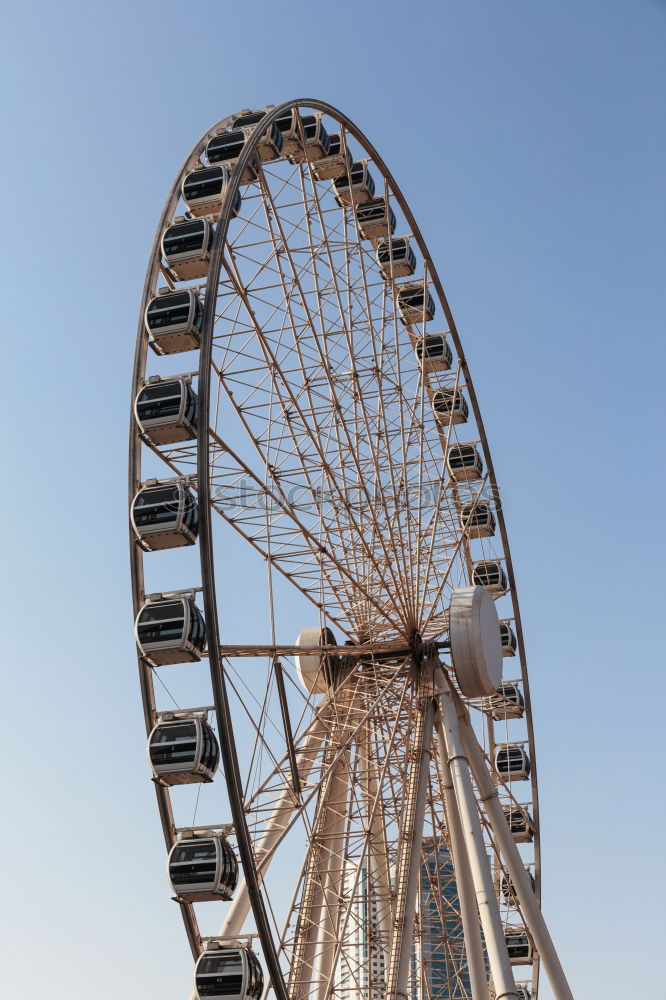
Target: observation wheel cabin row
[(170, 628)]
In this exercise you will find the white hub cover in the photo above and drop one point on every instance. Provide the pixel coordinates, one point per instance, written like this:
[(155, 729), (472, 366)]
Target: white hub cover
[(476, 646), (311, 668)]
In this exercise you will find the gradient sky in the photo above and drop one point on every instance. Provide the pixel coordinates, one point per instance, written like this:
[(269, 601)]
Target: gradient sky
[(529, 140)]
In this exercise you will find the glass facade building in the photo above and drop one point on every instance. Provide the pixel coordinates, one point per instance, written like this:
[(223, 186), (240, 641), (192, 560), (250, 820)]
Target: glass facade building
[(439, 963), (444, 971)]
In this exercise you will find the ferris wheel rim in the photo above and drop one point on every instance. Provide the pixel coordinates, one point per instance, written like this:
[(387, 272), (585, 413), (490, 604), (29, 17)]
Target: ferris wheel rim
[(206, 547), (205, 538)]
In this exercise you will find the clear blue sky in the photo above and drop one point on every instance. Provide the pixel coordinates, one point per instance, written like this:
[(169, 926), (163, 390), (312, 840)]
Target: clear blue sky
[(529, 139)]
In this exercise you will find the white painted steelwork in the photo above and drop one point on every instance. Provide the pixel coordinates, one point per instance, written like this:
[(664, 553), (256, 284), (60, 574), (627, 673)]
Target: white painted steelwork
[(309, 430)]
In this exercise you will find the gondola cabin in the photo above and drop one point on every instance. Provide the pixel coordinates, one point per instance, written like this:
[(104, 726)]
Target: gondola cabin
[(520, 824), (355, 186), (508, 703), (396, 258), (186, 246), (519, 946), (523, 993), (338, 161), (173, 320), (226, 147), (204, 190), (225, 973), (512, 763), (166, 410), (375, 219), (304, 137), (507, 889), (415, 303), (291, 140), (202, 867), (433, 353), (247, 119), (489, 573), (450, 406), (315, 144), (464, 463), (508, 639), (477, 520), (171, 630), (183, 751), (269, 144), (165, 516)]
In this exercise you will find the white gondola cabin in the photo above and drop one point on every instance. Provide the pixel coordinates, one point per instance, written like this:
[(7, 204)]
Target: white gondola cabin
[(203, 867), (186, 247), (396, 258), (291, 139), (226, 147), (165, 516), (450, 406), (508, 639), (520, 824), (226, 973), (375, 219), (355, 186), (464, 463), (415, 303), (519, 946), (511, 762), (269, 144), (523, 992), (171, 630), (433, 353), (489, 573), (183, 750), (166, 410), (173, 320), (304, 137), (507, 888), (247, 119), (338, 161), (508, 703), (477, 520), (316, 144), (204, 190)]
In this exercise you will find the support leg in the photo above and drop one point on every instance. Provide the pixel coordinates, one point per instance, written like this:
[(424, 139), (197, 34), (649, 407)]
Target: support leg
[(464, 882), (332, 872), (500, 967), (529, 906), (409, 862)]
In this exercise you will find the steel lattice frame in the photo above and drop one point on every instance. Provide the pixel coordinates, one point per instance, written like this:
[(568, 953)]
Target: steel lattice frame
[(317, 444)]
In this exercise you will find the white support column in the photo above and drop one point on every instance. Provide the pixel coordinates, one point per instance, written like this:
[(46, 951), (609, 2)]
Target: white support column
[(327, 828), (332, 839), (529, 906), (379, 887), (464, 882), (302, 972), (407, 882), (500, 966)]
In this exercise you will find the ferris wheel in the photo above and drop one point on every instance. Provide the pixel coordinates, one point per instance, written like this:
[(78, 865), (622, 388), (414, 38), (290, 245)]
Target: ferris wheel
[(350, 810)]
